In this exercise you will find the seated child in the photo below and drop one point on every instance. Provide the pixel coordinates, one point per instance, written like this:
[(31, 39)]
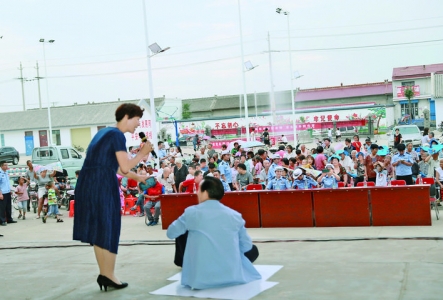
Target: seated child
[(150, 182)]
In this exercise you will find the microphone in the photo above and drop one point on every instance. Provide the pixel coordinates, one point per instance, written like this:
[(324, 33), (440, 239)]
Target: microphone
[(142, 137)]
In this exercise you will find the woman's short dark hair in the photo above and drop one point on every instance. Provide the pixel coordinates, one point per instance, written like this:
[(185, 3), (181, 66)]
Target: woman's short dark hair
[(285, 161), (319, 149), (129, 109), (214, 187)]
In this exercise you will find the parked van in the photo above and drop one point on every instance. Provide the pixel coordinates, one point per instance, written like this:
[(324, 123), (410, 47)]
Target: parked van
[(69, 158), (409, 133)]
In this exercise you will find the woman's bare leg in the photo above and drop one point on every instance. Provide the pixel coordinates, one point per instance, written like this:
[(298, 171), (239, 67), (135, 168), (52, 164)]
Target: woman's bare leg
[(106, 263), (40, 206)]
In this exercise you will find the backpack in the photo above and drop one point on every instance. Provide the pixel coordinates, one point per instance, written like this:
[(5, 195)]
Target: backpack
[(415, 168), (155, 190)]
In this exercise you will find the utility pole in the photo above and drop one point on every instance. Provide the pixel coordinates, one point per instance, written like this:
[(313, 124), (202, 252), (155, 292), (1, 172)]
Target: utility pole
[(272, 96), (38, 84), (23, 85)]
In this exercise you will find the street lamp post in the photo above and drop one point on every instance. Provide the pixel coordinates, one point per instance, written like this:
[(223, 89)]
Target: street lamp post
[(245, 97), (47, 90), (155, 49), (294, 125)]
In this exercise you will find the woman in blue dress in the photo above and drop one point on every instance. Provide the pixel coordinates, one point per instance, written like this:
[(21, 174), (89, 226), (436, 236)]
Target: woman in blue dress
[(97, 199)]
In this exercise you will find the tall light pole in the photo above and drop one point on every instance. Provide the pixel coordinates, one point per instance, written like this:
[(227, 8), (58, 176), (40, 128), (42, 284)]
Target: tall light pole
[(155, 49), (245, 97), (294, 124), (47, 90)]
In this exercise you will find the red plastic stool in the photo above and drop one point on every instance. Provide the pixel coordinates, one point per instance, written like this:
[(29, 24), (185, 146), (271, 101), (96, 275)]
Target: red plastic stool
[(71, 208), (130, 202)]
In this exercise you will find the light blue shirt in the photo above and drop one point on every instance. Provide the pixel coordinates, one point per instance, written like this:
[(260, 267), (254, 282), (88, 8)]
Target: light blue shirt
[(279, 184), (225, 186), (5, 187), (217, 240), (224, 169), (271, 171), (300, 183), (161, 153), (328, 181), (402, 169)]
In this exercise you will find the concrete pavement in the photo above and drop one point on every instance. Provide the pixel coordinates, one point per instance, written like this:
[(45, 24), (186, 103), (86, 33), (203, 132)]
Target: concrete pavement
[(40, 261)]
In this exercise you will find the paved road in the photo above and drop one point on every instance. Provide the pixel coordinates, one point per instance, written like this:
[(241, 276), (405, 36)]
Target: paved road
[(39, 261)]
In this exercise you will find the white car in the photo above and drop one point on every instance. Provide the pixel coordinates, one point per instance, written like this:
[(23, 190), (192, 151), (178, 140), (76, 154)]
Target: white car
[(409, 133)]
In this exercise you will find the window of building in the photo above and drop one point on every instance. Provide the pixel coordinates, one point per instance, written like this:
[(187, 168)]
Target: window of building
[(29, 133), (408, 83), (56, 139), (405, 109)]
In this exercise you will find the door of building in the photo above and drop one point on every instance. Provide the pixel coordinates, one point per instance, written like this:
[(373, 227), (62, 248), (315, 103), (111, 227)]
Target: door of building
[(432, 109), (29, 142), (43, 137)]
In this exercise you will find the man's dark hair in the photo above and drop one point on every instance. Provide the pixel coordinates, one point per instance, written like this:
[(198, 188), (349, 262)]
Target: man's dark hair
[(432, 134), (2, 163), (191, 166), (202, 160), (293, 159), (298, 151), (327, 139), (129, 109), (195, 160), (214, 187), (211, 166), (319, 149), (197, 173), (281, 147), (261, 152), (77, 172), (241, 166), (216, 171), (285, 161), (159, 143), (375, 146), (348, 140)]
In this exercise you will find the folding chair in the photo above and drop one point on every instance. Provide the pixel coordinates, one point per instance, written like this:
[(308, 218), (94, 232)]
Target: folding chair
[(434, 198), (368, 183), (398, 182), (253, 187)]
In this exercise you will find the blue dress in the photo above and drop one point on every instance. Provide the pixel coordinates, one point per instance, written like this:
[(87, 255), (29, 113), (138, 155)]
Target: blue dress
[(97, 218)]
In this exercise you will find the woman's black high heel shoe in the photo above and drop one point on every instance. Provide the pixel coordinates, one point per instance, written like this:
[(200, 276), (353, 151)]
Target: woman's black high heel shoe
[(104, 281)]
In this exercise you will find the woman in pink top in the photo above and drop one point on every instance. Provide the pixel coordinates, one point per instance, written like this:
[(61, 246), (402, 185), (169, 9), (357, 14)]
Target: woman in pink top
[(22, 197), (320, 159)]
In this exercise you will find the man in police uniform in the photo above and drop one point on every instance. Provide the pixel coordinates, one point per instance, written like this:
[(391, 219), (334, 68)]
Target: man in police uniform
[(279, 182), (403, 165), (5, 196), (274, 165)]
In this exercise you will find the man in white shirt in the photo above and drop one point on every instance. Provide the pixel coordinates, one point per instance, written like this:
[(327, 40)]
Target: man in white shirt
[(284, 140)]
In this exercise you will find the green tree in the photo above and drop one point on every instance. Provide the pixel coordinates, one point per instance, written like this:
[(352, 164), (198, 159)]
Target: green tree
[(186, 111), (379, 113), (409, 93)]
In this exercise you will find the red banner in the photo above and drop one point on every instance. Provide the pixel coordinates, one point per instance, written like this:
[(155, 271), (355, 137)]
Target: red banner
[(401, 90)]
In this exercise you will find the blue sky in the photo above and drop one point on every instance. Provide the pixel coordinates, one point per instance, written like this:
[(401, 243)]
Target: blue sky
[(99, 52)]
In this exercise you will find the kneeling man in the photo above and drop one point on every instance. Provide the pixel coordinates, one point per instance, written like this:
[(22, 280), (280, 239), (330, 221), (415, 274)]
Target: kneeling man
[(219, 251)]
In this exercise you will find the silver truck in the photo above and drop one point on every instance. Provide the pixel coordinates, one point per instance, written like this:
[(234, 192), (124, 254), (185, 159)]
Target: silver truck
[(69, 158)]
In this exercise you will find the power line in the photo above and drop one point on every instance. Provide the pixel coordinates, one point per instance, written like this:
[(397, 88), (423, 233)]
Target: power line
[(366, 24), (360, 33), (361, 47)]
